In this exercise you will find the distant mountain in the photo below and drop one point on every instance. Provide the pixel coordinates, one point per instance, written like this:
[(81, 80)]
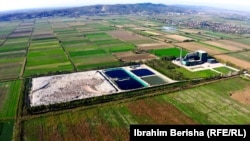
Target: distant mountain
[(141, 8)]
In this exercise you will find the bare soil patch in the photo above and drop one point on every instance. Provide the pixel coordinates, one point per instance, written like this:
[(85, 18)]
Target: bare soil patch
[(178, 37), (132, 57), (153, 33), (125, 35), (242, 96), (235, 61), (192, 46), (154, 46), (192, 31), (229, 45)]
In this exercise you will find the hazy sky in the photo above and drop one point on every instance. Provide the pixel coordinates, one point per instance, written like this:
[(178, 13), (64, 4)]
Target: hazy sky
[(24, 4)]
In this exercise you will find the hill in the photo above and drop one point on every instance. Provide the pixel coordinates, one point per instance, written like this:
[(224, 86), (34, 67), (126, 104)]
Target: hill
[(120, 9)]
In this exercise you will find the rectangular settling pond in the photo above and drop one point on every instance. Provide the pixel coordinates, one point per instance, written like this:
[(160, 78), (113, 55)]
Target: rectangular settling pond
[(124, 80), (142, 72)]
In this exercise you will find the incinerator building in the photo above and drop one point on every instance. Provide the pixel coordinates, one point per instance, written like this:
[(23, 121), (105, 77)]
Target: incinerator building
[(196, 58)]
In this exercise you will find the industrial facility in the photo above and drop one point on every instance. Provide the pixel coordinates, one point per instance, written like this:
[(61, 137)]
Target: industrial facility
[(196, 58)]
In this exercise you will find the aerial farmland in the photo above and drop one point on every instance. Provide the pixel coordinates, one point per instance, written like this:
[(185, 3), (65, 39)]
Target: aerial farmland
[(60, 75)]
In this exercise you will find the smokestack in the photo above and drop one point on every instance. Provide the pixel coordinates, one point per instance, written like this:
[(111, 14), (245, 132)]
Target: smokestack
[(181, 56)]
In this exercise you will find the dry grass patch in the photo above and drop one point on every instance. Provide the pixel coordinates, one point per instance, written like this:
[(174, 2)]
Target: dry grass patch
[(192, 31), (178, 37), (193, 46), (132, 57), (235, 61), (151, 46), (242, 96), (229, 45)]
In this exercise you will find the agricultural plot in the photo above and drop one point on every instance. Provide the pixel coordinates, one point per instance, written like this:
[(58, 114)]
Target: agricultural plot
[(212, 104), (169, 52), (103, 123), (221, 35), (6, 130), (10, 92), (191, 31), (107, 43), (228, 45), (99, 26), (5, 31), (24, 29), (193, 46), (76, 24), (129, 36), (197, 74), (46, 59), (113, 45), (12, 56), (132, 57), (119, 48), (200, 36), (75, 42), (242, 96), (242, 55), (17, 40), (237, 62), (224, 70), (42, 32), (12, 47), (178, 38), (94, 61), (152, 33), (245, 41), (87, 52), (11, 68), (152, 46), (98, 36)]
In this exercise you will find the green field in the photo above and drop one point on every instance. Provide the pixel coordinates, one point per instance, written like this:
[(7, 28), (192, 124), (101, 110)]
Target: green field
[(197, 74), (243, 41), (97, 35), (13, 47), (169, 52), (10, 92), (224, 70), (46, 57), (87, 52), (103, 122), (242, 55), (12, 56), (6, 130), (94, 61), (119, 48), (211, 104)]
